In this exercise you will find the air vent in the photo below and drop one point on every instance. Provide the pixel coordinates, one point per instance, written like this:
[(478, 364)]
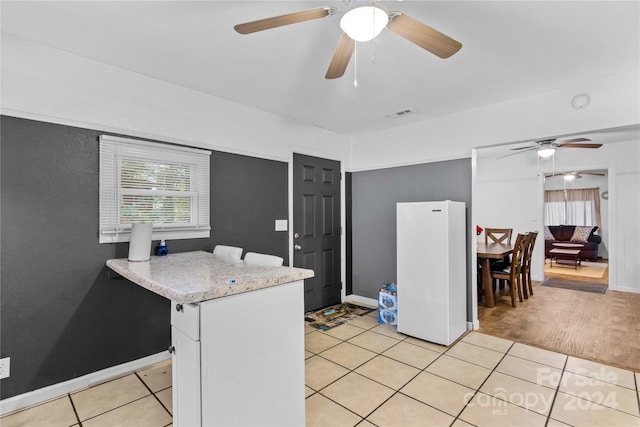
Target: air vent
[(401, 113)]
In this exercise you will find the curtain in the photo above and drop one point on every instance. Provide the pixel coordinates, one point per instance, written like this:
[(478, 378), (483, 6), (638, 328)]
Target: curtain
[(554, 207), (583, 207), (572, 207)]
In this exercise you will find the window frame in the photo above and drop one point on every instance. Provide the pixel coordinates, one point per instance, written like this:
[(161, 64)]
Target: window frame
[(115, 149)]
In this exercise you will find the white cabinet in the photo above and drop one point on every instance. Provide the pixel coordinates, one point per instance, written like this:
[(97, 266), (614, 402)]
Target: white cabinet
[(185, 346), (186, 379), (239, 360), (432, 270)]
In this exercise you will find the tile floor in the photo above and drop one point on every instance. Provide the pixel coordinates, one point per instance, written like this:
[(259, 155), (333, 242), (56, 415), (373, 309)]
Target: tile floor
[(139, 399), (367, 374)]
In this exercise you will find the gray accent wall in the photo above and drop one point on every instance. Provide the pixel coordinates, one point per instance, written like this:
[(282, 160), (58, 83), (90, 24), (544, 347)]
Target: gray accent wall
[(374, 197), (62, 313)]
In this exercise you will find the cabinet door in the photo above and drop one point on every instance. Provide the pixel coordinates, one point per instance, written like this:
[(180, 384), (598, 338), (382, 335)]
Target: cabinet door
[(253, 358), (186, 380)]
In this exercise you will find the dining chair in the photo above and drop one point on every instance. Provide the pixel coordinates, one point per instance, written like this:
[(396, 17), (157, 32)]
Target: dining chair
[(255, 258), (498, 235), (526, 264), (512, 274), (230, 252)]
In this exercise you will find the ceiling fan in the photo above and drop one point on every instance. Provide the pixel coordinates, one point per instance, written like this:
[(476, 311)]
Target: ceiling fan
[(570, 176), (362, 23), (547, 147)]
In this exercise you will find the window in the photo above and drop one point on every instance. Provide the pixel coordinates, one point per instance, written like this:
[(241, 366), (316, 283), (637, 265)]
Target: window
[(572, 207), (163, 184)]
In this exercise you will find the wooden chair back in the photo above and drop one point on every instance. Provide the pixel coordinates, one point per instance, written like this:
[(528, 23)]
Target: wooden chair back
[(513, 274), (519, 249), (526, 264), (498, 235), (531, 241)]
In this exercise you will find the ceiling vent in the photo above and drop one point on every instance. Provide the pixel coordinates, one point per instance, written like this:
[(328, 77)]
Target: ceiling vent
[(401, 113)]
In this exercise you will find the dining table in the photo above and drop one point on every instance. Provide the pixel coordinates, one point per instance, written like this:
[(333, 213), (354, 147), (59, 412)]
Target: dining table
[(485, 253)]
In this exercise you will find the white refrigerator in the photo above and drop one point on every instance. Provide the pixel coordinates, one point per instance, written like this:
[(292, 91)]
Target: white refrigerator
[(432, 270)]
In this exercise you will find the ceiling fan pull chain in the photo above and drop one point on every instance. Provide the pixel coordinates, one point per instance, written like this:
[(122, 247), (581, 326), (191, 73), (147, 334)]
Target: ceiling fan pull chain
[(355, 64), (373, 57), (373, 25)]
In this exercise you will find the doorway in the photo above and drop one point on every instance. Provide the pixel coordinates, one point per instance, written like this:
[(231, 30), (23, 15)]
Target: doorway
[(317, 228), (578, 198)]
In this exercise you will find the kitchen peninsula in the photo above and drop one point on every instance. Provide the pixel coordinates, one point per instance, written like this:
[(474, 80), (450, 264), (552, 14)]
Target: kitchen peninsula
[(237, 337)]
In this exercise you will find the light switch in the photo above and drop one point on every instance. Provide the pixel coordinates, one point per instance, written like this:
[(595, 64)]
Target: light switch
[(281, 224)]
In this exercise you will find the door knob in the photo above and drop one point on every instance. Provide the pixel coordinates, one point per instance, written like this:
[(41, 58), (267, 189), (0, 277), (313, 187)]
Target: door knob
[(297, 247)]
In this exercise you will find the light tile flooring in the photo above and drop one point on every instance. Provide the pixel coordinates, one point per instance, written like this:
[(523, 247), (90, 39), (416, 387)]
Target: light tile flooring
[(367, 374), (139, 399)]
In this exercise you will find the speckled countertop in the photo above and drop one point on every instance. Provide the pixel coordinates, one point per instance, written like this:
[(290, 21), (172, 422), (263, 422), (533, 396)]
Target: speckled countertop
[(199, 276)]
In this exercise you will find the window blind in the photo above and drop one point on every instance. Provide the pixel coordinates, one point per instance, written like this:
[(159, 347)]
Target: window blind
[(142, 181)]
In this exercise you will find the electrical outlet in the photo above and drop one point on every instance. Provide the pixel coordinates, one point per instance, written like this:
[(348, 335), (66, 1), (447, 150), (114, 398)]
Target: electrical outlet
[(5, 367)]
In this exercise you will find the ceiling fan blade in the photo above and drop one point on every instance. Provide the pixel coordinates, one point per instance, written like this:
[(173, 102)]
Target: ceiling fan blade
[(524, 150), (574, 140), (279, 21), (592, 173), (578, 145), (424, 36), (341, 57)]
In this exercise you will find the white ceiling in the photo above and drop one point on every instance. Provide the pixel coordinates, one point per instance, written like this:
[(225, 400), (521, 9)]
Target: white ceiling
[(510, 49)]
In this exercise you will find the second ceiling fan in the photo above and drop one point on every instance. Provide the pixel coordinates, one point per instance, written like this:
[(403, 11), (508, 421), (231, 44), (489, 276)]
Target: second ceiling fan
[(547, 147), (570, 176), (362, 23)]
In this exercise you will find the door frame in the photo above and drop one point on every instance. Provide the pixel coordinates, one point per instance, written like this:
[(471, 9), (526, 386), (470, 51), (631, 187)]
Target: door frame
[(611, 224), (343, 249), (538, 262)]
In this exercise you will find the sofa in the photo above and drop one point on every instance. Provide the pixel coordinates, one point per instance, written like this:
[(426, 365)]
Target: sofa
[(567, 234)]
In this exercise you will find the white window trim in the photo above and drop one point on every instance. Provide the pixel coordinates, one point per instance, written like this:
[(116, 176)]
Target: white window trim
[(109, 229)]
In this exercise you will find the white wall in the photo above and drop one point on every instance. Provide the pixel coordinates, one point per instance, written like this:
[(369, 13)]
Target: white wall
[(615, 102), (509, 192), (47, 84)]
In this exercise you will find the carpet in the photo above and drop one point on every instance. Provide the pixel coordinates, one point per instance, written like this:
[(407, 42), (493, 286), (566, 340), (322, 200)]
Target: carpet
[(598, 288), (594, 270), (335, 315)]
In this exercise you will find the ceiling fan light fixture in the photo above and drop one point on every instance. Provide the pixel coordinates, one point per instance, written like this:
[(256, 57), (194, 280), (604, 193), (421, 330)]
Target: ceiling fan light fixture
[(545, 153), (569, 177), (364, 23)]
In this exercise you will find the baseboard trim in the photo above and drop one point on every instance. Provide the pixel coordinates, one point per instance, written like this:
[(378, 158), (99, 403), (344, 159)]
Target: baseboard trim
[(44, 394), (624, 289), (357, 299), (473, 326)]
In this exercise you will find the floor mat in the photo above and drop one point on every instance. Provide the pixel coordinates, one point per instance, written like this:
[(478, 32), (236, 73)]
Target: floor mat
[(598, 288), (335, 315)]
